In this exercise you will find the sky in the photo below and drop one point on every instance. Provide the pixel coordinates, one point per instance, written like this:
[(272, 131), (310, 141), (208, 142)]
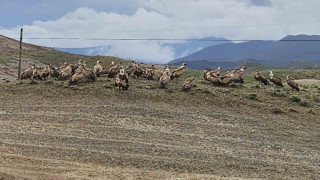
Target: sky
[(182, 19)]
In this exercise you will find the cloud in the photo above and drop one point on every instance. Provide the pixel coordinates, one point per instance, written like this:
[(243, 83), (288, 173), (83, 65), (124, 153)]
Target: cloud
[(261, 2), (232, 19)]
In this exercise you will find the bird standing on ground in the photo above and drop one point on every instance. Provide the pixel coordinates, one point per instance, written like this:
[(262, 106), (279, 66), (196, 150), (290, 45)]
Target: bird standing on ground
[(165, 78), (260, 78), (176, 73), (275, 80), (292, 83), (188, 85)]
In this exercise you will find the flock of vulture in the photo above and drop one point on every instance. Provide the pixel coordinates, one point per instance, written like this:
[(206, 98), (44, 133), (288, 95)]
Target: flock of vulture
[(80, 73)]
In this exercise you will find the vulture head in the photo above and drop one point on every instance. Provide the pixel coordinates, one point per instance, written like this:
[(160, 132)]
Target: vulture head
[(122, 71), (98, 62), (288, 77), (184, 64)]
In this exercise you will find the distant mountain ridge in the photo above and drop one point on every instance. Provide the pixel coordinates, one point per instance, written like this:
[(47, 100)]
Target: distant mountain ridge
[(180, 49), (274, 53)]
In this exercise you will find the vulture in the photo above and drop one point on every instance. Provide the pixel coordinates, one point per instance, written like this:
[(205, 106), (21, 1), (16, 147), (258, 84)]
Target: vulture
[(176, 73), (66, 72), (97, 69), (158, 72), (165, 78), (88, 72), (77, 78), (238, 74), (63, 66), (205, 73), (27, 73), (275, 80), (138, 71), (44, 73), (150, 71), (114, 70), (292, 83), (130, 68), (229, 73), (82, 74), (187, 85), (52, 71), (123, 75), (122, 80), (217, 72), (260, 78), (227, 80), (212, 76), (36, 73)]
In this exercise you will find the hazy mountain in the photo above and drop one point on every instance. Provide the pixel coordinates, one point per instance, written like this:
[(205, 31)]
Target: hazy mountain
[(180, 48), (275, 53)]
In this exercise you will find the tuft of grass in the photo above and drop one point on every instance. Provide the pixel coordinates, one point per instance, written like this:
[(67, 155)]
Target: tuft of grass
[(252, 96), (295, 99), (277, 110), (279, 94), (293, 110), (304, 103)]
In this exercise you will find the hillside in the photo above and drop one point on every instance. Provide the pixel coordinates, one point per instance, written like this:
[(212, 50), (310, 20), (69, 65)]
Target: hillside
[(275, 53), (92, 131), (38, 55)]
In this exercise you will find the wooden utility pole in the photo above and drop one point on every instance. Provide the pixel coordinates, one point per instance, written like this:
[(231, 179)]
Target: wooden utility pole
[(19, 68)]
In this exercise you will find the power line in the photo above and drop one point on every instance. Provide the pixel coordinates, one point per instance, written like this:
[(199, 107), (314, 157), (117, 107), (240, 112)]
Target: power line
[(170, 39)]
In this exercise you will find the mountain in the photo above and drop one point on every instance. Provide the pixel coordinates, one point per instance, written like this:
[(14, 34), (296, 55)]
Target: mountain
[(274, 53), (180, 48)]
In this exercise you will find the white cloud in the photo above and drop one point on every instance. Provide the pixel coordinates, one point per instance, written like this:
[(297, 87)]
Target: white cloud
[(232, 19)]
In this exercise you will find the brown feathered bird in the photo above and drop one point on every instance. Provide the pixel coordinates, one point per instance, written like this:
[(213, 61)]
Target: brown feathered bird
[(227, 80), (138, 71), (176, 73), (238, 74), (129, 69), (188, 85), (150, 71), (275, 80), (44, 73), (121, 80), (27, 73), (260, 78), (97, 69), (165, 78), (292, 83), (114, 70), (82, 74), (158, 72), (211, 76), (66, 72)]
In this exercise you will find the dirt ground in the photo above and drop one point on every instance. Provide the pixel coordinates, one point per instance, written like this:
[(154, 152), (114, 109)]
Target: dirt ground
[(49, 131)]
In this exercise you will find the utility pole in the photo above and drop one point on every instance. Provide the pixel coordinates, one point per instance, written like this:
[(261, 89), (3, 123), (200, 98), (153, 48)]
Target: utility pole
[(19, 68)]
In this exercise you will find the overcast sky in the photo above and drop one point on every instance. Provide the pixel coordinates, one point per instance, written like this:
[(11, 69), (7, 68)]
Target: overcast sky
[(231, 19)]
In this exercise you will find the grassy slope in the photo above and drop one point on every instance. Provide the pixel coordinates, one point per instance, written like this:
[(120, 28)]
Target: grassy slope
[(210, 132)]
